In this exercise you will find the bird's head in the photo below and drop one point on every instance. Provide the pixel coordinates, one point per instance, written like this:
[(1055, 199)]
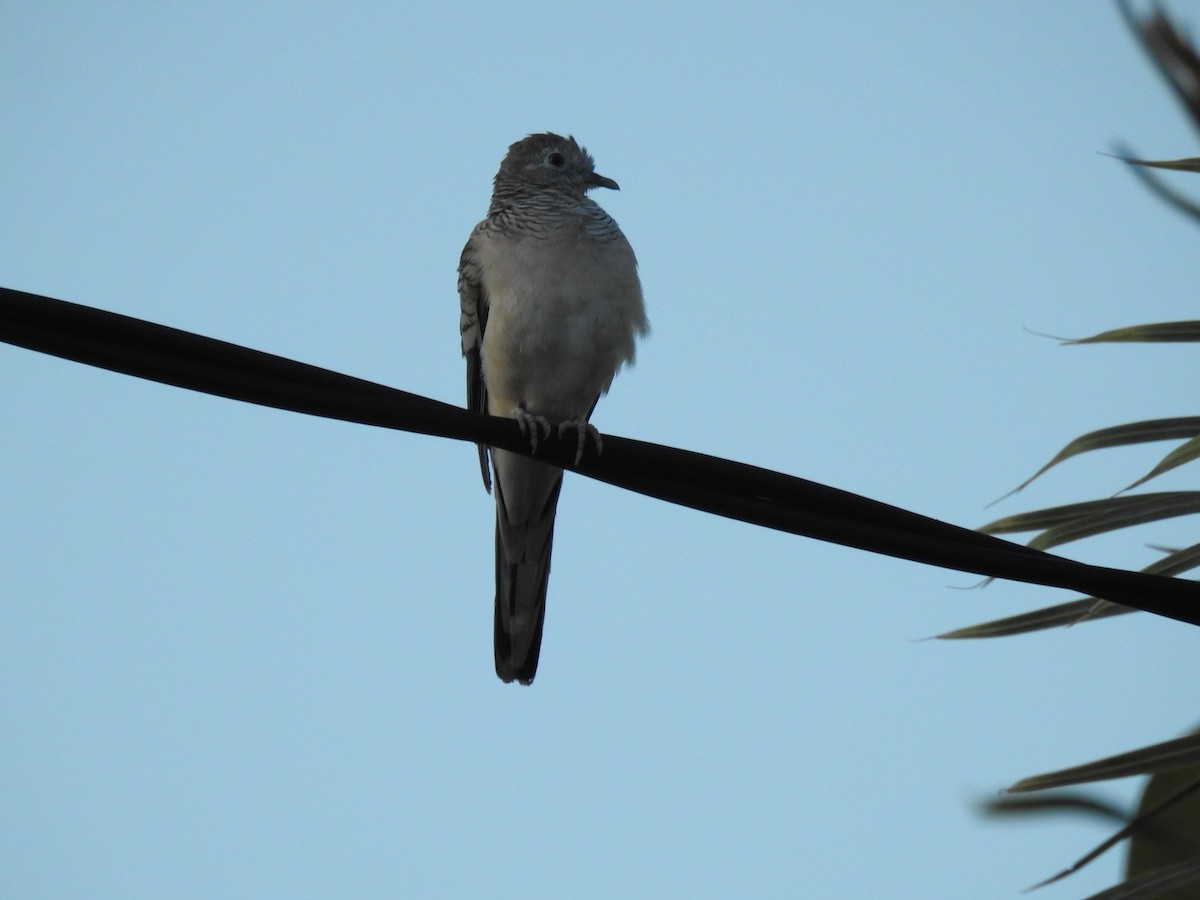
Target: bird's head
[(551, 161)]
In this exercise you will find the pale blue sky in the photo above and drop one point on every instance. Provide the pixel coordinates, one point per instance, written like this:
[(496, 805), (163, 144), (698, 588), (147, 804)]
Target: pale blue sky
[(245, 653)]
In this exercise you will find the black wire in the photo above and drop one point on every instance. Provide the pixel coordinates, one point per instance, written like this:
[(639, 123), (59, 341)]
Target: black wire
[(707, 483)]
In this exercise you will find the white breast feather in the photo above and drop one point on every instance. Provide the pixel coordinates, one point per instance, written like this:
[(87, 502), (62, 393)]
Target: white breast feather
[(563, 316)]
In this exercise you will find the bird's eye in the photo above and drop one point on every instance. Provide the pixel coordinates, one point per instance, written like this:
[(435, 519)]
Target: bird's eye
[(556, 159)]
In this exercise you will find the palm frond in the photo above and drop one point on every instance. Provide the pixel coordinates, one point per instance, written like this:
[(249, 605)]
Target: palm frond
[(1182, 751), (1119, 436)]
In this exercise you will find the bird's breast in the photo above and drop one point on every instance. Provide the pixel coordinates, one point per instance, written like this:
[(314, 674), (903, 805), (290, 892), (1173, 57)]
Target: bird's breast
[(563, 315)]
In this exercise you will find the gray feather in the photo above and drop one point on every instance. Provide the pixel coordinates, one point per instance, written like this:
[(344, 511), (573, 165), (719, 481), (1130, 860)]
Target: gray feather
[(550, 308)]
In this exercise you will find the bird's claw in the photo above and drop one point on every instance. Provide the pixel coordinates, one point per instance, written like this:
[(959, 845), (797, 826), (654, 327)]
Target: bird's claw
[(584, 431), (535, 428)]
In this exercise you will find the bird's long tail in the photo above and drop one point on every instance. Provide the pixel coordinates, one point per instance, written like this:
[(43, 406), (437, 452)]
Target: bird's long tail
[(526, 501)]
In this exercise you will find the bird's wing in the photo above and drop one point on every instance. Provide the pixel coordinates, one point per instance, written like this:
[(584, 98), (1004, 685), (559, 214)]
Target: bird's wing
[(473, 313)]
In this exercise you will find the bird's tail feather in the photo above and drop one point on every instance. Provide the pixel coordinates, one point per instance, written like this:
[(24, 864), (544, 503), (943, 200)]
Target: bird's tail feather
[(524, 538)]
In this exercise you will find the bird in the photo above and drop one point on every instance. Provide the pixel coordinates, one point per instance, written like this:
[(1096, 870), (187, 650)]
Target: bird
[(551, 308)]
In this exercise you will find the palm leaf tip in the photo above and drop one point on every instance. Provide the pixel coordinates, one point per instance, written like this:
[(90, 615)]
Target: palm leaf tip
[(1145, 760), (1191, 164)]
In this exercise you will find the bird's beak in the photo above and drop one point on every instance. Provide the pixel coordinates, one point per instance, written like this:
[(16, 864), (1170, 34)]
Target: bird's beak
[(597, 180)]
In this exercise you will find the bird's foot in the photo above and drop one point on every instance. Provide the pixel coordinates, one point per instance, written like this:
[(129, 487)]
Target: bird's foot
[(584, 431), (535, 428)]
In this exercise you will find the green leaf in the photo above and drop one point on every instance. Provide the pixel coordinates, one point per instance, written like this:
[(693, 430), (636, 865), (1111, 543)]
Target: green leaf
[(1170, 811), (1119, 436), (1155, 184), (1165, 821), (1184, 453), (1053, 803), (1145, 823), (1058, 616), (1074, 521), (1155, 884), (1037, 519), (1158, 332), (1074, 612), (1184, 751), (1191, 164), (1176, 561)]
